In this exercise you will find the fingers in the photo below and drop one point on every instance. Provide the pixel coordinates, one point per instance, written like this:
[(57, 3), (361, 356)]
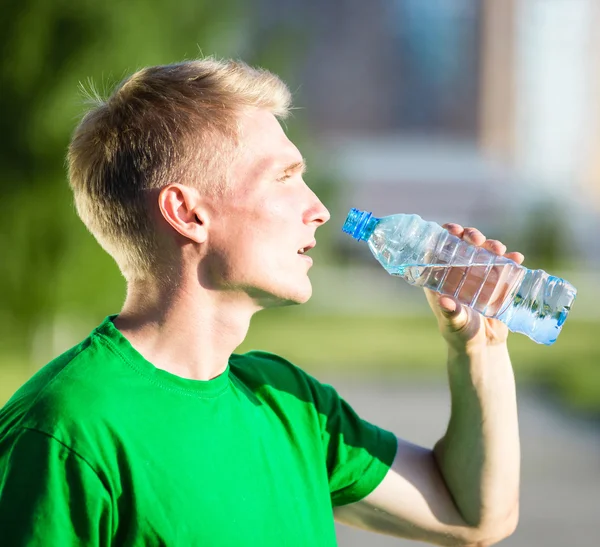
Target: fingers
[(516, 257), (470, 235), (475, 237), (455, 229), (495, 246)]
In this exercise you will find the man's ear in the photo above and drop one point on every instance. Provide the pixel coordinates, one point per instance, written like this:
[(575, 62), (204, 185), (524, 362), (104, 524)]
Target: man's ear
[(181, 207)]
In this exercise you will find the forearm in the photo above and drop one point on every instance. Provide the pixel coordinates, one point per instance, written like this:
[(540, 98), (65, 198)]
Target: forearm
[(479, 456)]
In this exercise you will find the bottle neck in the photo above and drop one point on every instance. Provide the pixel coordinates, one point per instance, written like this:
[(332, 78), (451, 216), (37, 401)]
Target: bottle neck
[(367, 228), (360, 224)]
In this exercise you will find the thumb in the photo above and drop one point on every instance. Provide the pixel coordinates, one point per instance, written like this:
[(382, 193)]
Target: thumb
[(454, 312)]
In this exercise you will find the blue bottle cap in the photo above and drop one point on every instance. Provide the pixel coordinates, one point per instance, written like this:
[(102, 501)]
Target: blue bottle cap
[(356, 222)]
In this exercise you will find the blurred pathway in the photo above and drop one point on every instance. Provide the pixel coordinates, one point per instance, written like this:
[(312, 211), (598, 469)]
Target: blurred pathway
[(560, 495)]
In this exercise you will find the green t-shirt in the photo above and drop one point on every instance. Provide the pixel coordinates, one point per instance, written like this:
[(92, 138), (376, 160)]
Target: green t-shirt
[(102, 448)]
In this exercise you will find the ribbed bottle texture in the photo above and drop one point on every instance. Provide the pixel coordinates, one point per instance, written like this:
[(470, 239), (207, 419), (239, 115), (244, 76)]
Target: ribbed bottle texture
[(426, 255)]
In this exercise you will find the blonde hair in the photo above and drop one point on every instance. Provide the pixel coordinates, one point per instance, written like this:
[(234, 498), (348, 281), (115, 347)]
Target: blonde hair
[(163, 124)]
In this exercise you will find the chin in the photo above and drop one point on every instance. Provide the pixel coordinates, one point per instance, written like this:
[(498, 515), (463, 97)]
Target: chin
[(294, 297), (302, 293), (291, 300)]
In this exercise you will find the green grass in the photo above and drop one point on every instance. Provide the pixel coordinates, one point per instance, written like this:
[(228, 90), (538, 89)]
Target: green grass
[(397, 346), (349, 344), (390, 346)]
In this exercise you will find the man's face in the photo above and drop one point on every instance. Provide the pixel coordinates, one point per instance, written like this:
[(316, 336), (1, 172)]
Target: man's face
[(255, 239)]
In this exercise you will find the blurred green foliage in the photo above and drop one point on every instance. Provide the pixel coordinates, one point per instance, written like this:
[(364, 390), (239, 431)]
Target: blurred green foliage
[(400, 346), (51, 268), (50, 265), (546, 244), (394, 347)]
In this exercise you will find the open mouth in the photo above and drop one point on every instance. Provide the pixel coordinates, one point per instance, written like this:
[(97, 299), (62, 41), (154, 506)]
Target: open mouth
[(308, 247)]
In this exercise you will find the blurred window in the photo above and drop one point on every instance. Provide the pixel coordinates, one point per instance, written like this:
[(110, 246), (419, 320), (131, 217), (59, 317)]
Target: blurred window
[(379, 66), (437, 47)]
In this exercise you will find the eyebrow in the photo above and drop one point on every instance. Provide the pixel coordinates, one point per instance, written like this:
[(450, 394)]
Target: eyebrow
[(296, 166)]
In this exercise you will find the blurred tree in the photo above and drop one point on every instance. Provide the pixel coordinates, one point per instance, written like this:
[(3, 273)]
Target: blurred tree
[(49, 263), (51, 266), (543, 240)]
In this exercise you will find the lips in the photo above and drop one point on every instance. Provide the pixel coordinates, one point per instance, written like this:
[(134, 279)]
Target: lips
[(307, 247)]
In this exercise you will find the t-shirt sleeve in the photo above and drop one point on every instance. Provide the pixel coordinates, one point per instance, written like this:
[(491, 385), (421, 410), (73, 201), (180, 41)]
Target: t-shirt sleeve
[(49, 495), (358, 453)]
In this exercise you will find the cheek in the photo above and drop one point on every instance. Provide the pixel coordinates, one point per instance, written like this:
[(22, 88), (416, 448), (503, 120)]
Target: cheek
[(254, 248), (263, 232)]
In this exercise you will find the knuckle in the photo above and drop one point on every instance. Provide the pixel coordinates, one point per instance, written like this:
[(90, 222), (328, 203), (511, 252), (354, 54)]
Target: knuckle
[(473, 232)]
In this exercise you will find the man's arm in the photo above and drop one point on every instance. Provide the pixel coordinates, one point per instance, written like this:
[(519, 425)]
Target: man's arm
[(465, 491), (49, 495), (479, 456)]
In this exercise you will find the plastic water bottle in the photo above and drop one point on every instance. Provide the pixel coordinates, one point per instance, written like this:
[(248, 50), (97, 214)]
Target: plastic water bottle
[(426, 255)]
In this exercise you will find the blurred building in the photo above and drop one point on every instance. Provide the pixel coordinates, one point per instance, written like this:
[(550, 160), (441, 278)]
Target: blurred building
[(541, 107), (482, 112)]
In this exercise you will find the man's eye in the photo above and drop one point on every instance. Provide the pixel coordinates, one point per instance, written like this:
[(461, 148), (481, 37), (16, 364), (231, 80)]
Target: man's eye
[(284, 177)]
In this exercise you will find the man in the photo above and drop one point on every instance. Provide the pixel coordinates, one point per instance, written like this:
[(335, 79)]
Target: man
[(150, 432)]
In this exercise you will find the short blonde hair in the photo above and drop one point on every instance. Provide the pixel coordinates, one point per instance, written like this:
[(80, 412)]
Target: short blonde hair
[(163, 124)]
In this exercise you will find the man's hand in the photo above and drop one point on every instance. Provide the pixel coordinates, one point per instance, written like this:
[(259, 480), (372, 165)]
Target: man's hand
[(465, 491), (463, 328)]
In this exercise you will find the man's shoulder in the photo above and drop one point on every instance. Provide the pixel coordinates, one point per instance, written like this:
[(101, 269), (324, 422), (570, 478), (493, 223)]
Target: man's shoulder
[(262, 370), (63, 393), (263, 364)]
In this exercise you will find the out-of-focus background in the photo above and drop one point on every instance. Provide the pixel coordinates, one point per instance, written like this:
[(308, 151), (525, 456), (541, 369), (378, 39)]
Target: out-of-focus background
[(480, 112)]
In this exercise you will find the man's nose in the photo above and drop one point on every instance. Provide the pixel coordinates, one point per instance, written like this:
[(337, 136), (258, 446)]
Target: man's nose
[(318, 213)]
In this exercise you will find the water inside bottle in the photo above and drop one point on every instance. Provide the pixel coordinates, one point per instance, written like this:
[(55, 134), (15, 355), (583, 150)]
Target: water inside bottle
[(538, 309), (483, 287)]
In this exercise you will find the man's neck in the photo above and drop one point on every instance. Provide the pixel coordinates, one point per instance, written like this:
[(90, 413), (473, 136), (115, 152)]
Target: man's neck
[(189, 333)]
